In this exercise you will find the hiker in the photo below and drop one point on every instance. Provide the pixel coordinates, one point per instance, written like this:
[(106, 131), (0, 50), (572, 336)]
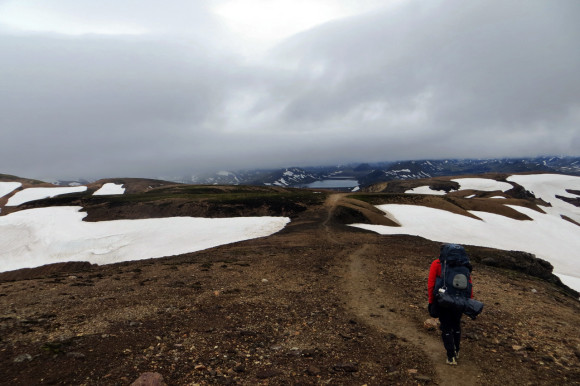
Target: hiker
[(450, 273)]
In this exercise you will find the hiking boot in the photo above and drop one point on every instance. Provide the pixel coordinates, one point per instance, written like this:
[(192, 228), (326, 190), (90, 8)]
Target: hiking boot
[(451, 361), (457, 354)]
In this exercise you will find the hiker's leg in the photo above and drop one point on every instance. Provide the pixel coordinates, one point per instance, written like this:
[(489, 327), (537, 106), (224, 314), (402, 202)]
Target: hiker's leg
[(457, 330), (456, 339), (447, 323)]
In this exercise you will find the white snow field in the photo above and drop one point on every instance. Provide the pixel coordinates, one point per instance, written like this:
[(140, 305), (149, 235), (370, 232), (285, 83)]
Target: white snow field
[(425, 190), (548, 236), (547, 186), (7, 187), (110, 189), (34, 237), (32, 194), (485, 184)]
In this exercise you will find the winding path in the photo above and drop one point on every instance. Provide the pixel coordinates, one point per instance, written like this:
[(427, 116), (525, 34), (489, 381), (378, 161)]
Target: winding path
[(364, 294)]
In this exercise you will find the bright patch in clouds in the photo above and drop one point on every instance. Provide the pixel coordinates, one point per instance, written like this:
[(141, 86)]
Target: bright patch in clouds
[(261, 20), (273, 20), (269, 21)]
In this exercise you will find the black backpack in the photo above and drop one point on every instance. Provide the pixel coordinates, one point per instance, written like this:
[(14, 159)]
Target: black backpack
[(455, 279)]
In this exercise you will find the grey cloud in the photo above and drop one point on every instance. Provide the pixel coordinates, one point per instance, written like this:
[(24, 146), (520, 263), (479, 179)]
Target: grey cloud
[(101, 96), (422, 80), (485, 63)]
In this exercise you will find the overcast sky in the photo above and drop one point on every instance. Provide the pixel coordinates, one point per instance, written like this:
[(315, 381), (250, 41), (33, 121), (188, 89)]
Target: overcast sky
[(146, 88)]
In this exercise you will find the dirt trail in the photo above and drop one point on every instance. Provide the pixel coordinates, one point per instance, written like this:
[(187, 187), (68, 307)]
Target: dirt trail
[(368, 299), (331, 203)]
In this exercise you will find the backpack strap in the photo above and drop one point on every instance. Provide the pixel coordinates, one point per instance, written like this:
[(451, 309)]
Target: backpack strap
[(444, 274)]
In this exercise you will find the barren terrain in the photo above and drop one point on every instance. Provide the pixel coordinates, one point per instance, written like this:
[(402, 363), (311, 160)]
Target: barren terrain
[(317, 303)]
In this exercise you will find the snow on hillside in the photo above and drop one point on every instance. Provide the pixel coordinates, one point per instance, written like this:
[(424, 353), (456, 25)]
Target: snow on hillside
[(109, 189), (35, 237), (485, 184), (7, 187), (548, 236), (425, 190), (547, 187), (32, 194)]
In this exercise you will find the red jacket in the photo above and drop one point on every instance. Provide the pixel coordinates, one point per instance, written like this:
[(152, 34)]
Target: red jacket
[(434, 273)]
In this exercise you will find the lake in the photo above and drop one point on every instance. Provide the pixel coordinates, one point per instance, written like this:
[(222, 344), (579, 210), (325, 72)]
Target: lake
[(333, 184)]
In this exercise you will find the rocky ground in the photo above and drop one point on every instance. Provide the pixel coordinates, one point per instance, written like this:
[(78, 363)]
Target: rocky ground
[(318, 303)]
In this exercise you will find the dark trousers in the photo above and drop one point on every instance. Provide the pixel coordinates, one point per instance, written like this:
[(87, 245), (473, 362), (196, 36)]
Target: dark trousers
[(450, 330)]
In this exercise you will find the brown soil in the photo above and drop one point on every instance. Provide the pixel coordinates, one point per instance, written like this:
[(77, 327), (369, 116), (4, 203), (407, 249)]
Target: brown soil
[(318, 303)]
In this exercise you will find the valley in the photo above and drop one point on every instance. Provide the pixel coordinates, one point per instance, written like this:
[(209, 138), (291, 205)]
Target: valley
[(319, 302)]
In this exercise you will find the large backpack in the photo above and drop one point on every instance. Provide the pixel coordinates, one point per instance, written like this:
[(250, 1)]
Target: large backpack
[(455, 277)]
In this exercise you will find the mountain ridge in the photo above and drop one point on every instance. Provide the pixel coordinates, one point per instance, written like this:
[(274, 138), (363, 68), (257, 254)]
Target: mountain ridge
[(370, 173)]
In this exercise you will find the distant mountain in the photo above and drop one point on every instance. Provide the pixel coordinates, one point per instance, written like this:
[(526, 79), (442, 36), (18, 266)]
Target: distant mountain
[(364, 173), (76, 182), (289, 177), (436, 168), (219, 178), (270, 177), (363, 168), (370, 173)]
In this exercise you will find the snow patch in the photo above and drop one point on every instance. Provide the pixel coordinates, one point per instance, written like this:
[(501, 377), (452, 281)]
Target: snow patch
[(8, 187), (425, 190), (109, 189), (34, 237), (547, 187), (484, 184), (547, 236), (32, 194)]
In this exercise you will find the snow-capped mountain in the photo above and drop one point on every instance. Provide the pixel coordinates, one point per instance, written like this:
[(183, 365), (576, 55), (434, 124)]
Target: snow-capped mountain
[(370, 173), (407, 170), (270, 177), (290, 177), (220, 178)]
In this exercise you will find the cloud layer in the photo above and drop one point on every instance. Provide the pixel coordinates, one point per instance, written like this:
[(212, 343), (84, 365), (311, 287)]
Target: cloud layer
[(151, 89)]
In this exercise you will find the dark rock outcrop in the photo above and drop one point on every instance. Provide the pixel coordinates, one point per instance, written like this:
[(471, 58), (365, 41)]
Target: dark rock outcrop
[(521, 262), (45, 270)]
